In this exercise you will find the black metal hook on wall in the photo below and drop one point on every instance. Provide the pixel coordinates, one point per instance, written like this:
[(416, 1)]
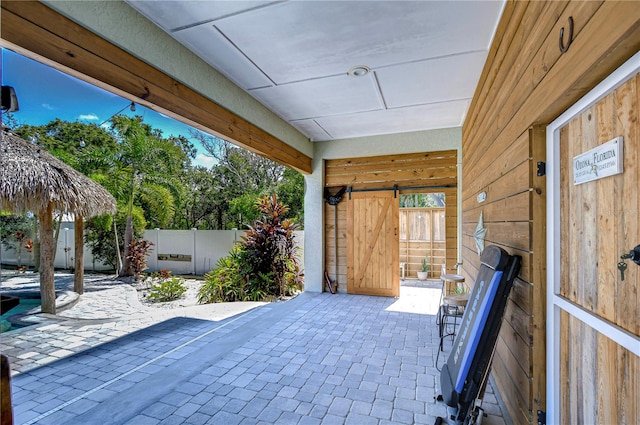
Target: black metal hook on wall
[(564, 48)]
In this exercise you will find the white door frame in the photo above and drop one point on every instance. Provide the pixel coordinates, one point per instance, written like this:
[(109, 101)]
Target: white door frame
[(555, 302)]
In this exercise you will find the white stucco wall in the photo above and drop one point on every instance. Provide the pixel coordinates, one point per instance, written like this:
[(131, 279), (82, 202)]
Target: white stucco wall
[(421, 141)]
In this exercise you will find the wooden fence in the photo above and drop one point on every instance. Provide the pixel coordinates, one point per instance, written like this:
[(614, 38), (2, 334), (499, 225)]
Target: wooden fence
[(422, 235)]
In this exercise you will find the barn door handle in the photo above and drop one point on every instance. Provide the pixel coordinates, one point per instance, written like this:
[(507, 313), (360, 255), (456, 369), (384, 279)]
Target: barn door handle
[(564, 48)]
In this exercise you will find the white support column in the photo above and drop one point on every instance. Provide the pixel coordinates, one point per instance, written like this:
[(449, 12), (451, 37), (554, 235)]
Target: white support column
[(314, 228), (193, 256), (157, 250)]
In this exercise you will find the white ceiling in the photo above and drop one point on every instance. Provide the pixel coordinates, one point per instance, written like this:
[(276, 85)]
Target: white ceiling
[(425, 57)]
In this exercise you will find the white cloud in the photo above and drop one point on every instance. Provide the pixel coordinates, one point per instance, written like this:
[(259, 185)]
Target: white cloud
[(204, 160), (47, 106), (88, 117)]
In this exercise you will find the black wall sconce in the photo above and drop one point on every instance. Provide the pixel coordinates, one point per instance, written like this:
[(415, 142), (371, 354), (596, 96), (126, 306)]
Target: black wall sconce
[(9, 99)]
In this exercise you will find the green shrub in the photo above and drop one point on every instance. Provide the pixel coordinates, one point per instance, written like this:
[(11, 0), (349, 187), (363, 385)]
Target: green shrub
[(263, 266), (137, 254), (269, 247), (167, 290), (225, 282), (163, 274)]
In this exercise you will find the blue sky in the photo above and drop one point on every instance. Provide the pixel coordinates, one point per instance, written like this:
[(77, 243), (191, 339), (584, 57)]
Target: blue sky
[(45, 94)]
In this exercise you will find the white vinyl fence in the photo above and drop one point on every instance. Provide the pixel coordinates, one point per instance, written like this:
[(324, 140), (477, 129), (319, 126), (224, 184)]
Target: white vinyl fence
[(65, 253), (185, 252)]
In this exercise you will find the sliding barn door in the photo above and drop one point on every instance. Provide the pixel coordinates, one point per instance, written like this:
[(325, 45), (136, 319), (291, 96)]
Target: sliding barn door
[(373, 244)]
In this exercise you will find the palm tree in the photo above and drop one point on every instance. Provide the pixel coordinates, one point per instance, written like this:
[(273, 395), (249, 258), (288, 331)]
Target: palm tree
[(145, 169)]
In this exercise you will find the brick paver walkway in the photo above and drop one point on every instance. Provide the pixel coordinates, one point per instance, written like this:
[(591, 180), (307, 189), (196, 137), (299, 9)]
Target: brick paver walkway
[(316, 359)]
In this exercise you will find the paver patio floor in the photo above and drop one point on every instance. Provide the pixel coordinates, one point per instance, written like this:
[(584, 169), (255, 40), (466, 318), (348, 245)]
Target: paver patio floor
[(316, 359)]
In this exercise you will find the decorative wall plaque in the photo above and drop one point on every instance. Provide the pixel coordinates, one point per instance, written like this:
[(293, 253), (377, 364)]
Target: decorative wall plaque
[(604, 161)]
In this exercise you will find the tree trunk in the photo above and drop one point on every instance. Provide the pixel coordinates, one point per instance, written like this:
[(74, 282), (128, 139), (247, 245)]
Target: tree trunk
[(118, 256), (47, 249), (128, 237), (5, 391), (78, 275), (128, 231)]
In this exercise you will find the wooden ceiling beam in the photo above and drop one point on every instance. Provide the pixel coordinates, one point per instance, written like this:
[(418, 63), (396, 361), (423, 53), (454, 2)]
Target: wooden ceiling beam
[(35, 28)]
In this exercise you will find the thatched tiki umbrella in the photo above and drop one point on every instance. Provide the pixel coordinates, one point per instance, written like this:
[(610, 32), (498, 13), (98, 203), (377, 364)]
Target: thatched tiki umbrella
[(31, 179)]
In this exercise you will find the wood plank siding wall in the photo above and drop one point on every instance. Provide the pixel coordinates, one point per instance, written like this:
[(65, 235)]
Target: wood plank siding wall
[(436, 169), (526, 83)]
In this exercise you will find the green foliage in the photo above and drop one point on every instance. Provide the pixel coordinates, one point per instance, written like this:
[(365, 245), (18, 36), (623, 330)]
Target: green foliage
[(154, 183), (169, 289), (100, 236), (82, 146), (146, 171), (226, 282), (16, 232), (13, 229), (163, 274), (137, 254), (158, 204), (425, 264), (269, 245), (291, 193), (240, 177), (460, 289), (142, 169), (202, 204), (263, 266), (243, 208), (422, 200)]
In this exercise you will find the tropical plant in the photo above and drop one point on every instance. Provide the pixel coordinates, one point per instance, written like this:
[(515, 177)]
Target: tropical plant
[(137, 256), (100, 235), (140, 167), (167, 290), (262, 266), (224, 283), (202, 203), (269, 245), (143, 168)]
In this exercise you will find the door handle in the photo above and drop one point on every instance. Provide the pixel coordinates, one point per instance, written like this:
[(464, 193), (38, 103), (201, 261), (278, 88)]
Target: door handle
[(633, 255)]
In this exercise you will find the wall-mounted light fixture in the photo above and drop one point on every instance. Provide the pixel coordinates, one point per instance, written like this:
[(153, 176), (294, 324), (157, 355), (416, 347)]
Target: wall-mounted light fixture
[(9, 99)]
